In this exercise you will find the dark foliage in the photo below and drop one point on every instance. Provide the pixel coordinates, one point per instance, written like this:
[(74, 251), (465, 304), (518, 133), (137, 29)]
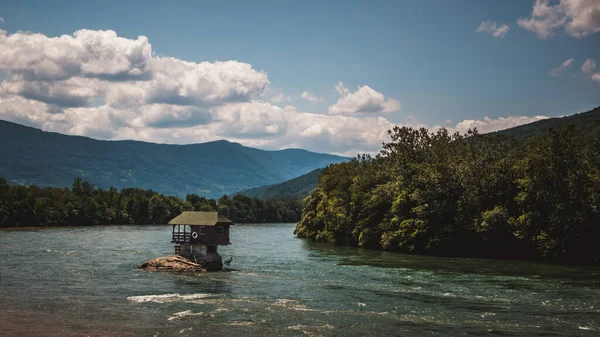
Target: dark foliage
[(465, 195), (84, 204)]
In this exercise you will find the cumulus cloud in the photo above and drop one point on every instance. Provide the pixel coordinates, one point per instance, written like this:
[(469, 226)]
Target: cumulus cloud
[(588, 66), (364, 100), (97, 84), (596, 77), (311, 98), (72, 92), (184, 83), (491, 27), (91, 68), (494, 124), (87, 53), (562, 67), (579, 18), (280, 97)]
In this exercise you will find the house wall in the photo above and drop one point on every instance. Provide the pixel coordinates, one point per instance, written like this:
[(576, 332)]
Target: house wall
[(211, 236)]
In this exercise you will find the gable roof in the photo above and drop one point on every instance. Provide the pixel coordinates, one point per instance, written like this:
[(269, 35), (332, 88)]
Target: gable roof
[(200, 218)]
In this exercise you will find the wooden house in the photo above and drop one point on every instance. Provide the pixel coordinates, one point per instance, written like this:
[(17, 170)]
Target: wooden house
[(197, 234)]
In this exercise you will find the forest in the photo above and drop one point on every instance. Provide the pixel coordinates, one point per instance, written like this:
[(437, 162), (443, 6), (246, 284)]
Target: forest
[(84, 204), (476, 195)]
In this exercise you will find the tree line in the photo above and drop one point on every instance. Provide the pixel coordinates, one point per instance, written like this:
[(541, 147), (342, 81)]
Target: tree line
[(84, 204), (468, 194)]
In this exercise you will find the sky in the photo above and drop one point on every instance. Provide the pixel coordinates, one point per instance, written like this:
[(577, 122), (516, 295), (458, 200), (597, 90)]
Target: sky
[(324, 76)]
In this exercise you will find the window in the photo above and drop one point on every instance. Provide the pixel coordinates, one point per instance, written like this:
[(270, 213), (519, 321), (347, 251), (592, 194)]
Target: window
[(202, 230), (220, 230)]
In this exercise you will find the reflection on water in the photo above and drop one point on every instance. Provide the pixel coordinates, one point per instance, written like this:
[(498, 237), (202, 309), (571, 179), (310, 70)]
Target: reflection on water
[(71, 281)]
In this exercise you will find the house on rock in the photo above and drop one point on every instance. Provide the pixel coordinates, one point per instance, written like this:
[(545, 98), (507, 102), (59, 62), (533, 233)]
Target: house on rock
[(197, 235)]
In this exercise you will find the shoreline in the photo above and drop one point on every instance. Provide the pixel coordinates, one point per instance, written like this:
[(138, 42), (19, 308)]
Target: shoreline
[(7, 229)]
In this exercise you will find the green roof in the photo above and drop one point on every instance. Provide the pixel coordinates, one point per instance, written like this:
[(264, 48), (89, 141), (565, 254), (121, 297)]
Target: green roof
[(200, 218)]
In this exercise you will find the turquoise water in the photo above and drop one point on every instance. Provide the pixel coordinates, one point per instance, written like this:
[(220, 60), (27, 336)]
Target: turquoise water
[(83, 281)]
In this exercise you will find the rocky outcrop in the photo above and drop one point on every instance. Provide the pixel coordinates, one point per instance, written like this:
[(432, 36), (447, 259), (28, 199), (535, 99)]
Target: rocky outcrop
[(209, 261), (172, 263), (204, 263)]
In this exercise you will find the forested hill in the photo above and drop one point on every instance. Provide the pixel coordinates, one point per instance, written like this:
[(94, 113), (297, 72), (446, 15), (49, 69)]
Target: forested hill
[(587, 122), (296, 189), (465, 195), (31, 156)]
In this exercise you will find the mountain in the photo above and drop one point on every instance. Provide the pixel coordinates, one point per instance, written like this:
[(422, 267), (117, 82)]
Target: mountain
[(297, 188), (31, 156), (587, 122)]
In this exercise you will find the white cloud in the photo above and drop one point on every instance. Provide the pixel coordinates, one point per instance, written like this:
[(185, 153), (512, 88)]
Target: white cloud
[(1, 19), (88, 53), (588, 66), (108, 87), (562, 67), (494, 124), (184, 83), (311, 98), (280, 97), (596, 77), (491, 27), (364, 100), (73, 92), (579, 18), (26, 111), (255, 123), (341, 90), (92, 68)]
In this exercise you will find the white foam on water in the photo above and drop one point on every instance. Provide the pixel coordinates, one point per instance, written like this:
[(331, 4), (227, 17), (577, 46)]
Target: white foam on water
[(306, 329), (167, 298), (448, 295), (585, 328), (360, 304), (378, 313), (184, 330), (242, 323), (182, 314), (248, 274)]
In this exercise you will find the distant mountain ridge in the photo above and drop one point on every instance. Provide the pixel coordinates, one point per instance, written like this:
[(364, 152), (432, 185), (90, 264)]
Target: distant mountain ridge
[(587, 122), (297, 188), (31, 156)]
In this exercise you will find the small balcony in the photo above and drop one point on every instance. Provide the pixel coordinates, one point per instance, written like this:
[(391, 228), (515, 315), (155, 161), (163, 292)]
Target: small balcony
[(181, 234)]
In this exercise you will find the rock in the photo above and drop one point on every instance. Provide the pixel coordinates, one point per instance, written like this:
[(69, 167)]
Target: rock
[(208, 261), (172, 263), (213, 262)]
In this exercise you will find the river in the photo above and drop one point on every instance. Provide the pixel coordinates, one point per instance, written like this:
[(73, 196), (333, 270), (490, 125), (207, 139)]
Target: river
[(84, 282)]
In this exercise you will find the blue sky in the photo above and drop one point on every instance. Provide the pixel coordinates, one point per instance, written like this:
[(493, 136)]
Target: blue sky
[(425, 54)]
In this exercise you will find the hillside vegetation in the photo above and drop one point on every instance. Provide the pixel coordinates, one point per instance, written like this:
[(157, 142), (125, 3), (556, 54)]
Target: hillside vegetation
[(31, 156), (465, 195), (295, 189)]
